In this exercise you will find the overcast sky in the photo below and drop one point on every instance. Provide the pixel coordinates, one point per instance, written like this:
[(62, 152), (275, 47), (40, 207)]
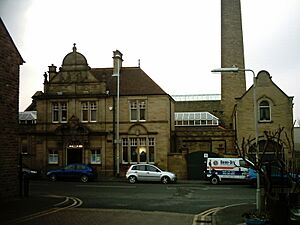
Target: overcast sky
[(177, 41)]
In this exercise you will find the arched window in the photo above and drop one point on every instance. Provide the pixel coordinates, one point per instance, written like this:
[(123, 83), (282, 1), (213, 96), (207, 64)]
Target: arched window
[(264, 111)]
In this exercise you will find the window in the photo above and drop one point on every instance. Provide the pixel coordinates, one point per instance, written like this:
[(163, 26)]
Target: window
[(59, 112), (142, 150), (89, 111), (264, 111), (55, 112), (137, 110), (133, 149), (96, 156), (141, 167), (53, 157), (151, 149), (136, 150), (125, 150), (70, 167), (151, 168)]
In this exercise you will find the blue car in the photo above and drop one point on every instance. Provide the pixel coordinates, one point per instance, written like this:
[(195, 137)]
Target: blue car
[(277, 178), (251, 176), (75, 171)]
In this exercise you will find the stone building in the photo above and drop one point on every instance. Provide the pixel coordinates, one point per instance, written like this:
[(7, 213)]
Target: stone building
[(274, 110), (10, 61), (76, 120)]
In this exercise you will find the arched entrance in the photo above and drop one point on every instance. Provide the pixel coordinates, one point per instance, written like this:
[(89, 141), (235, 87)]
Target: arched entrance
[(269, 150), (75, 139)]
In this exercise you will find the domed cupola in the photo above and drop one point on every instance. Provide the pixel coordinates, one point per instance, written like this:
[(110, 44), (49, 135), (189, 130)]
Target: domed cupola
[(74, 61)]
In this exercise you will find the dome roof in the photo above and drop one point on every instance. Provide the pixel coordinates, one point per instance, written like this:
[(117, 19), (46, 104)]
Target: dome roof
[(74, 61)]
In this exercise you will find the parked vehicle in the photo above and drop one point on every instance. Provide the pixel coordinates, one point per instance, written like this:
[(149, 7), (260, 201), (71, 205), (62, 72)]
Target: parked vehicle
[(251, 176), (73, 171), (295, 215), (225, 168), (148, 172), (277, 175), (30, 173)]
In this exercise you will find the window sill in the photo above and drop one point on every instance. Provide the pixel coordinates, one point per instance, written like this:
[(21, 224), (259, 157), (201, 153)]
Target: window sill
[(265, 121), (137, 121)]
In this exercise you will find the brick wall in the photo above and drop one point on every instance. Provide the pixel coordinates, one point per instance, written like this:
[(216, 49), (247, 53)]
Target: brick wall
[(9, 107), (232, 53)]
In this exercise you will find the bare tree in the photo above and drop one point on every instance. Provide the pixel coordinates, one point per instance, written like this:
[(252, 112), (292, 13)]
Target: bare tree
[(279, 175)]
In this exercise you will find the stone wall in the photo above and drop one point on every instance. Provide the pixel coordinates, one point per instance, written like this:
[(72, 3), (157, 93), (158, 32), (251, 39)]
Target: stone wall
[(178, 164)]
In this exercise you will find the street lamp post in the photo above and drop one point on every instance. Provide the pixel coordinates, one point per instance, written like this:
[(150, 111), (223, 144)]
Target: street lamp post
[(117, 66), (235, 70)]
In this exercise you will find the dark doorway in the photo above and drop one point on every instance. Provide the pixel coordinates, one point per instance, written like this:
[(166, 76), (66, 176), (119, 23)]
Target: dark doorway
[(74, 155), (197, 164)]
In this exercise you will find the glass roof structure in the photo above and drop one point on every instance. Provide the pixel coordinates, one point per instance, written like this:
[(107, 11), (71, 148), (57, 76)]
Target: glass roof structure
[(203, 97), (195, 119), (28, 115)]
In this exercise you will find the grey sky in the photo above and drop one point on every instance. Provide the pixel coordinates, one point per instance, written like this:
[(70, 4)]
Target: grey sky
[(177, 41)]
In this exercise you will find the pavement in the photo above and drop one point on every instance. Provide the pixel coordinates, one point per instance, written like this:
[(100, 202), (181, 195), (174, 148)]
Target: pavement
[(60, 210)]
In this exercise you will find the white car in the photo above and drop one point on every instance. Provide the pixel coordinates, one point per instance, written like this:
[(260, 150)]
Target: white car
[(148, 172)]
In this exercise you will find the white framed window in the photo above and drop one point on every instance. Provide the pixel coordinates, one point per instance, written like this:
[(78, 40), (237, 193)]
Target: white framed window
[(264, 111), (89, 111), (138, 149), (59, 112), (52, 157), (95, 156), (137, 110), (93, 111)]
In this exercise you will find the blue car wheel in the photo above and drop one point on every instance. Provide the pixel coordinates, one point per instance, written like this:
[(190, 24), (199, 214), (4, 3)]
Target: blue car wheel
[(52, 177), (84, 178)]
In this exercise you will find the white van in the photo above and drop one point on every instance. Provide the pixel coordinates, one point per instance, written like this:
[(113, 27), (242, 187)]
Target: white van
[(225, 168)]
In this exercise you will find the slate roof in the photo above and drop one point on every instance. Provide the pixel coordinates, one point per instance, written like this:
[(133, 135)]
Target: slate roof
[(133, 81)]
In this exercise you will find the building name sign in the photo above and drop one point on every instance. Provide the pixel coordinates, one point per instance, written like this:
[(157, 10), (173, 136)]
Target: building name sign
[(75, 146)]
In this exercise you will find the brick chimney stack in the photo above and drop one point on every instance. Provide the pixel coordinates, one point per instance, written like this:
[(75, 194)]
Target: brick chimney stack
[(233, 85)]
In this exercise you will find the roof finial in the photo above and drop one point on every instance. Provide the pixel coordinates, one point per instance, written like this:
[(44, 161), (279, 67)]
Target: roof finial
[(74, 47), (139, 63)]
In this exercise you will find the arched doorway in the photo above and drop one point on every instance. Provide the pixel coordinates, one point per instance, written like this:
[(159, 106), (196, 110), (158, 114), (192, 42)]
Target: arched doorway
[(75, 139), (269, 150)]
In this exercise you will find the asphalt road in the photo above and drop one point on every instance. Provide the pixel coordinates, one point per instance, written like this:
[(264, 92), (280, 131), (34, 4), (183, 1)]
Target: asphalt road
[(190, 197)]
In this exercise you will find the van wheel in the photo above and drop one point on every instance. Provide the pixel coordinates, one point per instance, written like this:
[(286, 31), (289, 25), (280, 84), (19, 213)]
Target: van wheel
[(214, 180)]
